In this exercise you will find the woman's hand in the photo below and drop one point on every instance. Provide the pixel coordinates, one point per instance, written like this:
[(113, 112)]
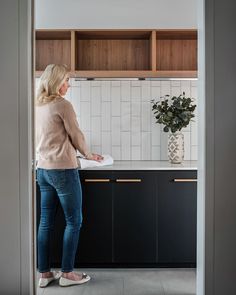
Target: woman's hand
[(94, 157)]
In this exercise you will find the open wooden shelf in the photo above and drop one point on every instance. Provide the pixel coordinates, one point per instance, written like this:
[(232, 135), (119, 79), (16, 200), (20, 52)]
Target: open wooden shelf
[(176, 50), (119, 53), (53, 47), (113, 51)]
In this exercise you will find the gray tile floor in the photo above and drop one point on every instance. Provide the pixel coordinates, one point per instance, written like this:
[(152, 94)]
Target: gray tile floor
[(130, 282)]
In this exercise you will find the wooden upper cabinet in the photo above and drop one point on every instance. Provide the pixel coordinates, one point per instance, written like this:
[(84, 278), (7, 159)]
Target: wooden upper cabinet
[(119, 53), (176, 51), (113, 51), (52, 47)]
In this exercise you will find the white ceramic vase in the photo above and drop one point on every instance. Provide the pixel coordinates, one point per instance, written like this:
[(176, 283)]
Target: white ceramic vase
[(176, 147)]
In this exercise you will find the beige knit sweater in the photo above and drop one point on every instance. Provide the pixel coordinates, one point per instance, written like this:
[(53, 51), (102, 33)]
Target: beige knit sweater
[(58, 135)]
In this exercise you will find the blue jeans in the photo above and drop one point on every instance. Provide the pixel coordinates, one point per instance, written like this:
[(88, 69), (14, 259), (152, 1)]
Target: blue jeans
[(59, 185)]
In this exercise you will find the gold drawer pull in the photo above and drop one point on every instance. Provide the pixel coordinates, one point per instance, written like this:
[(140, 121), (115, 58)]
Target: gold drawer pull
[(97, 180), (128, 180), (185, 180)]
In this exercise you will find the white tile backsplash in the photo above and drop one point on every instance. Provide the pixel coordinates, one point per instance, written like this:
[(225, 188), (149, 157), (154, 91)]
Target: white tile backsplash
[(106, 90), (125, 91), (106, 115), (125, 146), (106, 142), (95, 101), (85, 115), (116, 117), (96, 131), (85, 90), (136, 153), (125, 116), (115, 127)]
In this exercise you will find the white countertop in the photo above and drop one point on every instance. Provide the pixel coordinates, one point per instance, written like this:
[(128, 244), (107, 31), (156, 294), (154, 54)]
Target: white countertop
[(147, 165)]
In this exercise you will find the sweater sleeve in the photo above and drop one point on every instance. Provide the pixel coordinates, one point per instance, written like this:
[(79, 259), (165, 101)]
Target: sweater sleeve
[(72, 128)]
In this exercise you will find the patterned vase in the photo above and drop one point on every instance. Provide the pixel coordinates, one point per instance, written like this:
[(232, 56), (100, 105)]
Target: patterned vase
[(176, 147)]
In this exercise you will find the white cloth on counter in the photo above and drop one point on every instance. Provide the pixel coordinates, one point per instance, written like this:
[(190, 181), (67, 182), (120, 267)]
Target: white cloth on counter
[(84, 163)]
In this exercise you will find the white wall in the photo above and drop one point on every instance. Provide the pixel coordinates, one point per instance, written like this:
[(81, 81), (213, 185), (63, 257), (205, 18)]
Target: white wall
[(102, 14)]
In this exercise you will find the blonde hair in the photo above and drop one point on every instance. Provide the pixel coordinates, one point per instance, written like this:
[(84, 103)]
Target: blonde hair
[(50, 83)]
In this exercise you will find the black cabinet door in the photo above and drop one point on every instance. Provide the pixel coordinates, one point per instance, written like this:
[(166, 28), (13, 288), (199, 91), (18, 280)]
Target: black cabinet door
[(95, 243), (134, 226), (177, 208)]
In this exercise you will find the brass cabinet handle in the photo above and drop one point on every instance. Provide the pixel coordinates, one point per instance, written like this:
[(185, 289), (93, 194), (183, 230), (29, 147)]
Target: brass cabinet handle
[(97, 180), (185, 180), (128, 180)]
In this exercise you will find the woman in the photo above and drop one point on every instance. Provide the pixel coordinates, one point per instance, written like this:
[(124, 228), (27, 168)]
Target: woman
[(58, 136)]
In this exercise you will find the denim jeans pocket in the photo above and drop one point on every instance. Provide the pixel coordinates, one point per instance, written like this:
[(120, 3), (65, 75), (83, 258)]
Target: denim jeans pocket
[(57, 177)]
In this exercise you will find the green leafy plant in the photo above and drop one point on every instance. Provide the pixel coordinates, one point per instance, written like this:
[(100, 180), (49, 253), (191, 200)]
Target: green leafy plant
[(175, 112)]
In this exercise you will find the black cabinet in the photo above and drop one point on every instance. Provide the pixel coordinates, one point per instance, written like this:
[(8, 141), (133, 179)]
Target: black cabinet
[(95, 243), (177, 220), (134, 219)]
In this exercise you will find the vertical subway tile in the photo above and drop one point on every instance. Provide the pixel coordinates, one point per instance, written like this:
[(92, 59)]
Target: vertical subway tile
[(106, 116), (194, 133), (75, 99), (155, 93), (96, 131), (106, 91), (125, 146), (135, 92), (115, 123), (187, 146), (85, 115), (185, 87), (156, 153), (164, 140), (156, 132), (116, 152), (146, 116), (125, 116), (135, 153), (146, 91), (194, 153), (125, 90), (95, 101), (146, 146), (136, 108), (135, 131), (106, 142), (115, 103), (85, 90)]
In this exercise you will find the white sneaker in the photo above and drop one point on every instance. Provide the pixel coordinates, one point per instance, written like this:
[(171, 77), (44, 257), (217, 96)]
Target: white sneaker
[(63, 282), (43, 282)]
